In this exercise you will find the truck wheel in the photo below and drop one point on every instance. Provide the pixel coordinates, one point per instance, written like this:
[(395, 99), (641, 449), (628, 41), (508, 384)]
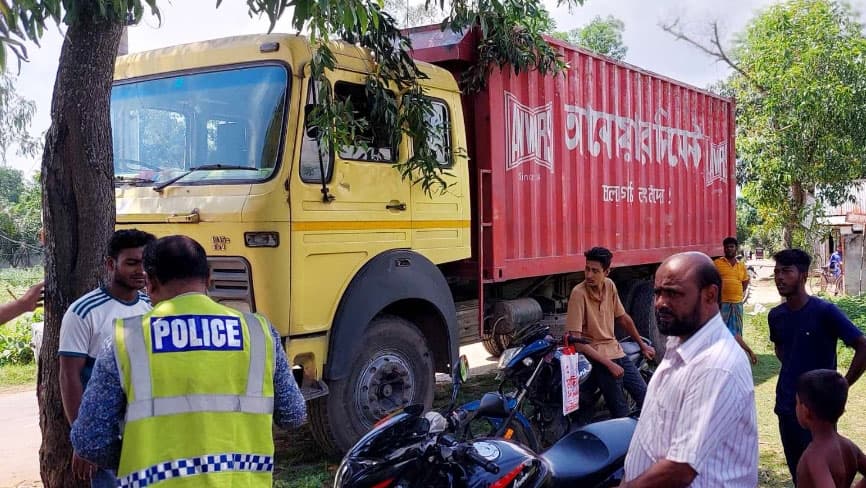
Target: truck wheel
[(391, 369), (643, 312)]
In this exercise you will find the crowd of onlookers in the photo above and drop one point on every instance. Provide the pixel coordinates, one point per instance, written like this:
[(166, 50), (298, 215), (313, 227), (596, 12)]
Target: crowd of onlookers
[(697, 426), (698, 420)]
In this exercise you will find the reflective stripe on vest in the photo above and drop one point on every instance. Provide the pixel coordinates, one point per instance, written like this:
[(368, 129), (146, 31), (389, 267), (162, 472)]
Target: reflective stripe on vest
[(212, 463), (144, 405)]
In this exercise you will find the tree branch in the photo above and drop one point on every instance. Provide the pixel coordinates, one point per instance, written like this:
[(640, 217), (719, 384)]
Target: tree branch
[(716, 50)]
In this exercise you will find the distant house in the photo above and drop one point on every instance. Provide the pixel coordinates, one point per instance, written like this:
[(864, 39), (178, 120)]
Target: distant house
[(846, 223)]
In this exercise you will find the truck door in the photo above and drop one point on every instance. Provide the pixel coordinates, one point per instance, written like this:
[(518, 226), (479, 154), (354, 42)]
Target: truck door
[(441, 221), (368, 211)]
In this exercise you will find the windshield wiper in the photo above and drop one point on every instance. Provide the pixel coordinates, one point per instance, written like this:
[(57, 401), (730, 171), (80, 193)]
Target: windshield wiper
[(132, 179), (207, 167)]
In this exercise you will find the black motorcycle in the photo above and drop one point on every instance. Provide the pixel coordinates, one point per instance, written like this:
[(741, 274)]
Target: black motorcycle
[(412, 449), (531, 387)]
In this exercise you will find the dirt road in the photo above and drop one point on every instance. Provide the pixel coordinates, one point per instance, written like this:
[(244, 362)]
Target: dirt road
[(19, 451)]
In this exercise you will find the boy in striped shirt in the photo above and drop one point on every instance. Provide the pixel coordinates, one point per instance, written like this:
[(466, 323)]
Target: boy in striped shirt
[(89, 321)]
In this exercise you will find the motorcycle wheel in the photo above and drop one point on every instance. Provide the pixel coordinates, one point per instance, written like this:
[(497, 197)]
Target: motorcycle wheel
[(481, 426)]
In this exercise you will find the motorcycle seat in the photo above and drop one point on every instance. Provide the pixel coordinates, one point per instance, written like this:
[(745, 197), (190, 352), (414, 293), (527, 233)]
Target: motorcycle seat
[(589, 455)]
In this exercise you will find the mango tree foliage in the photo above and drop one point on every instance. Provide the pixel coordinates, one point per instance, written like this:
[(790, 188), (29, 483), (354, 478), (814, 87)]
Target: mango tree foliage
[(20, 217), (602, 35), (801, 113), (16, 114)]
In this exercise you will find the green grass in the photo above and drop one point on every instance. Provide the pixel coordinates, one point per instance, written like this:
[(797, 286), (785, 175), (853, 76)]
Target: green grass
[(773, 472), (17, 375), (16, 357), (18, 279)]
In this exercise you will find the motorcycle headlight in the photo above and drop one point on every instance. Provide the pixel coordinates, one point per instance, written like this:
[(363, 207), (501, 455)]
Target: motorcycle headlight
[(507, 356)]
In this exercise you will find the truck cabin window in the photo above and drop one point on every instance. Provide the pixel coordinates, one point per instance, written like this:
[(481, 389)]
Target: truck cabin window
[(166, 126), (373, 140), (439, 135)]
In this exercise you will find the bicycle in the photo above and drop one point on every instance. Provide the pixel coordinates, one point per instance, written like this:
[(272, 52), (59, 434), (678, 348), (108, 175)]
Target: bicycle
[(825, 281)]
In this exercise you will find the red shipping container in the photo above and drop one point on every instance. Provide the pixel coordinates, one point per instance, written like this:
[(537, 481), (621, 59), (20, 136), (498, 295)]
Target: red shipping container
[(605, 154)]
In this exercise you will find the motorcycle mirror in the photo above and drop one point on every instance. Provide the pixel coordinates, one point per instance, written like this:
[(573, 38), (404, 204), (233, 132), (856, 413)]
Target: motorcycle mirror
[(463, 368), (461, 374), (492, 405)]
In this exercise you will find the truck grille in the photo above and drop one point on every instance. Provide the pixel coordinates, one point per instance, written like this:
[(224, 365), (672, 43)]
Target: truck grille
[(231, 283)]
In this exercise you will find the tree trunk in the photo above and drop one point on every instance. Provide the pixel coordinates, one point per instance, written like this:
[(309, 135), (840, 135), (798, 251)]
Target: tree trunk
[(788, 235), (78, 211), (794, 219)]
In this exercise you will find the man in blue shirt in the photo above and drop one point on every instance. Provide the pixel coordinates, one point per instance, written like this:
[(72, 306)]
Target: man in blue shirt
[(835, 264), (805, 331)]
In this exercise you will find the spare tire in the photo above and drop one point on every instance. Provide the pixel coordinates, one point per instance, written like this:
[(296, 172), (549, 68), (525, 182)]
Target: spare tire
[(495, 344), (641, 308)]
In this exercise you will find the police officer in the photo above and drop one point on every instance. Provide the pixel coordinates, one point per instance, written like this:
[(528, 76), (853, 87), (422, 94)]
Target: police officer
[(195, 384)]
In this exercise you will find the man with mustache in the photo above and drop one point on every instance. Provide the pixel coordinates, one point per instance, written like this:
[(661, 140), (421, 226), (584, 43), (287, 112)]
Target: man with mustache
[(89, 321), (698, 426), (805, 331)]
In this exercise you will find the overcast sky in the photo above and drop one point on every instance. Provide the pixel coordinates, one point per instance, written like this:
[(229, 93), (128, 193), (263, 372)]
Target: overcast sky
[(648, 46)]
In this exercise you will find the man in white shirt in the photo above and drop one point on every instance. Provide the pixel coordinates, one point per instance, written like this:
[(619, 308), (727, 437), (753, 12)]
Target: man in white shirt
[(698, 426), (89, 322)]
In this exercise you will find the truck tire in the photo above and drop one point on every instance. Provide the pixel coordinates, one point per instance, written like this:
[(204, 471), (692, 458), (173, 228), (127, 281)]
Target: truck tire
[(641, 307), (391, 369)]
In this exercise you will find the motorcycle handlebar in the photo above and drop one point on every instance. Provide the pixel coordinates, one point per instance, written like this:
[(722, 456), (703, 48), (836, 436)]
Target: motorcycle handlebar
[(488, 466)]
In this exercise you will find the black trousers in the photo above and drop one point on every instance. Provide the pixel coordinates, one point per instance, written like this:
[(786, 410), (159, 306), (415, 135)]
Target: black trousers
[(795, 439)]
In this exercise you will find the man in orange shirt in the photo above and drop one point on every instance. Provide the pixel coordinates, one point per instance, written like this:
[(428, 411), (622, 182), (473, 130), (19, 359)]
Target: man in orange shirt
[(593, 310), (735, 280)]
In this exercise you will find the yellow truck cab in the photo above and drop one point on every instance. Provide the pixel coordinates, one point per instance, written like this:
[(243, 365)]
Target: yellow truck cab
[(337, 250)]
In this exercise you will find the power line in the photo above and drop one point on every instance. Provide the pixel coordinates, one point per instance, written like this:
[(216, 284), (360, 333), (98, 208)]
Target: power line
[(22, 243)]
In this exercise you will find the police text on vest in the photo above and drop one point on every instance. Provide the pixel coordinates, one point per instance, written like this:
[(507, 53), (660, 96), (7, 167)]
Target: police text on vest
[(178, 333)]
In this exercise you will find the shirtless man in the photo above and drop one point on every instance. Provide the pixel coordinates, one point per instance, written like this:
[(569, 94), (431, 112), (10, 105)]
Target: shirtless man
[(830, 460)]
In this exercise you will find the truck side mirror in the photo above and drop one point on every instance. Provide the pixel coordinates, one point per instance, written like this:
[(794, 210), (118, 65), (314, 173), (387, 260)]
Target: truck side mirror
[(312, 131)]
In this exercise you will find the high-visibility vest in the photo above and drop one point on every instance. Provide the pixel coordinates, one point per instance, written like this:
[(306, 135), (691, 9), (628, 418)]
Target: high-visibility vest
[(198, 378)]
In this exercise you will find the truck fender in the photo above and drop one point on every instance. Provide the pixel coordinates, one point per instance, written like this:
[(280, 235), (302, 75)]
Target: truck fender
[(387, 279)]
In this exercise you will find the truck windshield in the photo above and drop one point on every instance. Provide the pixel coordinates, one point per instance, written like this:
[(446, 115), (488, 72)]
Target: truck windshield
[(229, 120)]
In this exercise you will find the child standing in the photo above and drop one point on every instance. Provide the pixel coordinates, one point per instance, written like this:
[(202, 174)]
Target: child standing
[(830, 460)]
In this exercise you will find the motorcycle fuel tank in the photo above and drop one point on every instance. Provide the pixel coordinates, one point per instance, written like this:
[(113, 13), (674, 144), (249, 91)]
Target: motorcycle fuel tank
[(518, 467)]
